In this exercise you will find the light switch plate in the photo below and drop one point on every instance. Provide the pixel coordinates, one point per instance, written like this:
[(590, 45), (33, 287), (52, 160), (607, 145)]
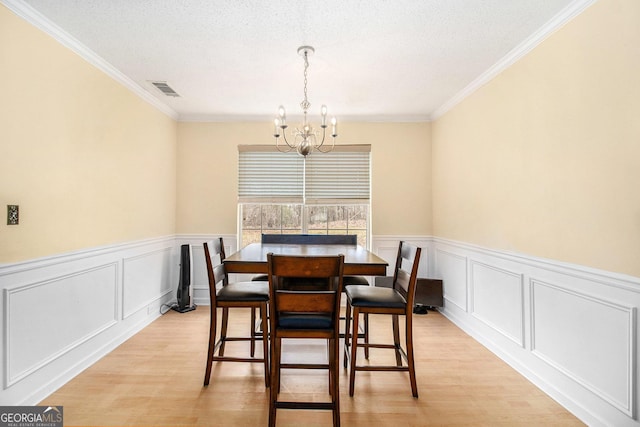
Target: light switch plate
[(13, 214)]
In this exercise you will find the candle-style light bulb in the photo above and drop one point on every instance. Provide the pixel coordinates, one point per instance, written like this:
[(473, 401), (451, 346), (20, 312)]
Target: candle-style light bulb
[(334, 127), (323, 113), (283, 116)]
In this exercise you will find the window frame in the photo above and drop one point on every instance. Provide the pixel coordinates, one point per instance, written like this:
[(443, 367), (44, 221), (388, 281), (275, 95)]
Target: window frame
[(350, 167)]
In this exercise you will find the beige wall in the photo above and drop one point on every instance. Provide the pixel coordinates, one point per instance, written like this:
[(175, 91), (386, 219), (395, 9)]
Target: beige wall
[(88, 161), (544, 159), (401, 174)]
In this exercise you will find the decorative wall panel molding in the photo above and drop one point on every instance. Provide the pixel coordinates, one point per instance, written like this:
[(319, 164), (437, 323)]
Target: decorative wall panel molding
[(41, 319), (453, 267), (146, 277), (575, 328), (589, 339), (63, 313), (497, 299)]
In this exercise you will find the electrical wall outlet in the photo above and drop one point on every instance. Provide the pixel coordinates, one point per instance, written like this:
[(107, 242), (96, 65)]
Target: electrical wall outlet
[(13, 214)]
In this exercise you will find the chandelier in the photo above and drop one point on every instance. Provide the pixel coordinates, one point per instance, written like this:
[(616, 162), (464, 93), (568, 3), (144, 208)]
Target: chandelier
[(305, 138)]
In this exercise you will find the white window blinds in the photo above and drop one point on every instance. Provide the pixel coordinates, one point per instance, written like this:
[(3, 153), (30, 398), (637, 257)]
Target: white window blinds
[(269, 176), (340, 176)]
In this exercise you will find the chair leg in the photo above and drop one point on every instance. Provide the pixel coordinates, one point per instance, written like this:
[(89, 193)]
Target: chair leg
[(279, 356), (366, 335), (253, 331), (223, 330), (410, 359), (275, 379), (331, 358), (212, 344), (347, 336), (396, 339), (354, 349), (265, 344), (334, 373)]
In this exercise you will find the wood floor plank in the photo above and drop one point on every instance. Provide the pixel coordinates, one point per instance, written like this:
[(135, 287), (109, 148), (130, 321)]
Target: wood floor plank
[(155, 379)]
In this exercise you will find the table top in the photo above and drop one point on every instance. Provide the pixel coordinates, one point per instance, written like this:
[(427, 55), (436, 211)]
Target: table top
[(357, 260)]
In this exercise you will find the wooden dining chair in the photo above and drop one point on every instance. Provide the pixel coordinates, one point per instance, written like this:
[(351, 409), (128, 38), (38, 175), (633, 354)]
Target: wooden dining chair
[(321, 239), (395, 301), (304, 303), (225, 295)]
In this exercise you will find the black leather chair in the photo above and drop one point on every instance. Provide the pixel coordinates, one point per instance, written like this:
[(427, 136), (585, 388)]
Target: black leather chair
[(304, 294), (252, 295), (320, 239), (395, 301)]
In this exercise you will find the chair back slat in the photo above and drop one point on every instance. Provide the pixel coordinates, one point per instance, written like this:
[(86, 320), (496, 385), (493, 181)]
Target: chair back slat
[(306, 302), (402, 283), (214, 256), (306, 266), (405, 276)]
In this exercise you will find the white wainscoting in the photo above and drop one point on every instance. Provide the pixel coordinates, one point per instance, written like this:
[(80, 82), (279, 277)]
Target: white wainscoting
[(571, 330), (63, 313)]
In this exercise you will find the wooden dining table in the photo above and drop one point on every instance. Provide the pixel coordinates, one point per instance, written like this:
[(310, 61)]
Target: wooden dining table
[(357, 259)]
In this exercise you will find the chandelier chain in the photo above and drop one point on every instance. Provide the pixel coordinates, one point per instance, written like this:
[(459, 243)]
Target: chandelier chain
[(305, 103)]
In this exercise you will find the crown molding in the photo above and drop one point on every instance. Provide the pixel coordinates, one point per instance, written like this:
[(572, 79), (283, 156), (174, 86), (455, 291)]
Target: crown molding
[(211, 118), (41, 22), (567, 14)]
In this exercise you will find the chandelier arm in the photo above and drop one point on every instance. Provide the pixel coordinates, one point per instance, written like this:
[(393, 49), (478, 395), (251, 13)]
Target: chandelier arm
[(280, 147), (324, 131), (326, 149), (291, 146)]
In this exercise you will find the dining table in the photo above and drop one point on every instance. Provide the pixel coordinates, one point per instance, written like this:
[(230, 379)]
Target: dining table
[(358, 260)]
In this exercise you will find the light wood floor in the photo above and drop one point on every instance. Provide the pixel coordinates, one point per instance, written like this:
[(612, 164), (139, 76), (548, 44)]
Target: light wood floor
[(155, 379)]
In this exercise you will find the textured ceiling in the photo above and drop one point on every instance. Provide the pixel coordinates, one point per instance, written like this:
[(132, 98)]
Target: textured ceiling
[(236, 59)]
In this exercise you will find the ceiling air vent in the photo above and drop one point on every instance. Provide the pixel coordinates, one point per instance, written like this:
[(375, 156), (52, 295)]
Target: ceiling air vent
[(165, 88)]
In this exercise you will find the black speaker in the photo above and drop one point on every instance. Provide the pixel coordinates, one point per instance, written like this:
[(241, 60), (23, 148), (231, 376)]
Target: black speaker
[(184, 283)]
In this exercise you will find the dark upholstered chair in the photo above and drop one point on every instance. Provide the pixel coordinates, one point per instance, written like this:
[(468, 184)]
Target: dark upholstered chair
[(395, 301), (320, 239), (304, 294), (252, 295)]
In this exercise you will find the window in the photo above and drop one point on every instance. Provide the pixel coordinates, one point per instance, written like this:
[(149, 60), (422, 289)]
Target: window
[(324, 193)]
